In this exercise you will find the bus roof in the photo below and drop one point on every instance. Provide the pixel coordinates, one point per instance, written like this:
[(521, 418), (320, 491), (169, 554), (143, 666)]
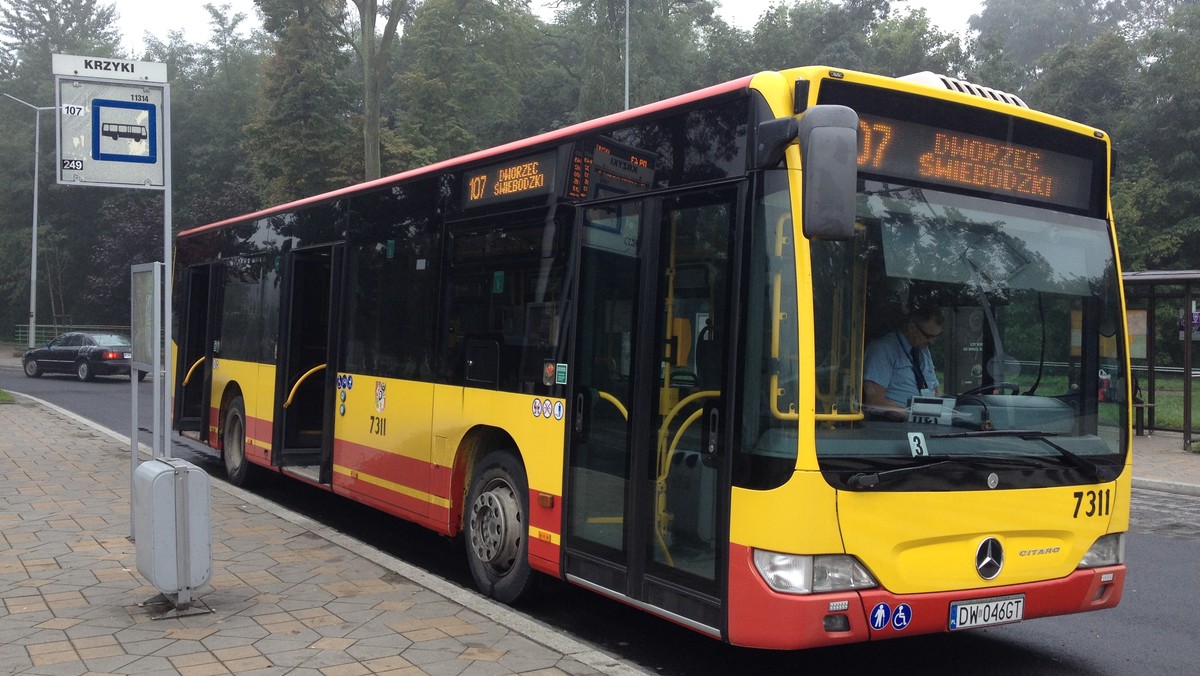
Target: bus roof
[(545, 138)]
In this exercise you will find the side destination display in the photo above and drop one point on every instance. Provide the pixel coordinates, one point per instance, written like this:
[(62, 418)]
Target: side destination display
[(525, 177)]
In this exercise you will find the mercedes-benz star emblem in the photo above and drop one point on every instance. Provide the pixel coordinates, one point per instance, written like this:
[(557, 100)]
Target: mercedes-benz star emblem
[(989, 558)]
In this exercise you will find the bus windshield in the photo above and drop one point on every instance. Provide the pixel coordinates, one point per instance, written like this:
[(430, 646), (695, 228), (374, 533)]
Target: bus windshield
[(1013, 314)]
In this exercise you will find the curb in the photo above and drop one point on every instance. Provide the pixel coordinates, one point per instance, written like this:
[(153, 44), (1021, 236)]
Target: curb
[(1167, 487)]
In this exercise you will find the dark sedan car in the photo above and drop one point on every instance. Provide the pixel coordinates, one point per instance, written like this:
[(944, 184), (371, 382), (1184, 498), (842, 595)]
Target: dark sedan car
[(83, 353)]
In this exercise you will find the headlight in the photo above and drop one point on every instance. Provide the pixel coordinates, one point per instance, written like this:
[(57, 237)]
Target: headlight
[(795, 574), (1109, 550)]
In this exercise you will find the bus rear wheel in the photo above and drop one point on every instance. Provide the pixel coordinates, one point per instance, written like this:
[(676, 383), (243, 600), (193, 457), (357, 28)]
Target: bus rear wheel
[(497, 528), (238, 470)]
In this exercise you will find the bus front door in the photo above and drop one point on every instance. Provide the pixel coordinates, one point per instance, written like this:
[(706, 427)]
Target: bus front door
[(647, 493), (201, 313), (305, 368)]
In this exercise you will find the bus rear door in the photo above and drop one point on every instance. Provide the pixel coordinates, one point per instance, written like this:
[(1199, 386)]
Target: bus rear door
[(201, 313)]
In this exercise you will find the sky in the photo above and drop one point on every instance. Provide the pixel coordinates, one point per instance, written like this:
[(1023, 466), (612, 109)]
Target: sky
[(136, 17)]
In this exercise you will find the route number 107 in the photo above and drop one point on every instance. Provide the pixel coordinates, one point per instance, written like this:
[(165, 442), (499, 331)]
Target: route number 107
[(874, 137), (1093, 503)]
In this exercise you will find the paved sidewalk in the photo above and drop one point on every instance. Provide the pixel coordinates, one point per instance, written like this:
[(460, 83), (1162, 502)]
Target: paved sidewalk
[(288, 595)]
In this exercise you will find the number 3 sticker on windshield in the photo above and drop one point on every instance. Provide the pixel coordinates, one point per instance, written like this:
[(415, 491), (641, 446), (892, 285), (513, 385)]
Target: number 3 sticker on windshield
[(916, 443)]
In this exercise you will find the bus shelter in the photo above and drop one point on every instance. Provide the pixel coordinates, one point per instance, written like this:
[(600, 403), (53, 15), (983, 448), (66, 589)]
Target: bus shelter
[(1164, 327)]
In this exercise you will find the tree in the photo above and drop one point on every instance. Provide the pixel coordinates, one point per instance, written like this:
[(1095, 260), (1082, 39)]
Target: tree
[(663, 49), (1157, 200), (1020, 32), (374, 52), (298, 141), (815, 32), (30, 32), (910, 43), (1092, 83), (215, 90), (468, 66)]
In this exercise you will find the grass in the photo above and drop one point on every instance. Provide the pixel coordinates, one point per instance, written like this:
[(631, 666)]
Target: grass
[(5, 397)]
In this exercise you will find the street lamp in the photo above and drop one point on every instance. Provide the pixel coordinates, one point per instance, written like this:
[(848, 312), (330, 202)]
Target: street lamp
[(626, 54), (37, 149)]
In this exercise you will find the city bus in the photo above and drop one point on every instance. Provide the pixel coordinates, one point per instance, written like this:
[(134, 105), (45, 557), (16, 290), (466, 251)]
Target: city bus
[(630, 354)]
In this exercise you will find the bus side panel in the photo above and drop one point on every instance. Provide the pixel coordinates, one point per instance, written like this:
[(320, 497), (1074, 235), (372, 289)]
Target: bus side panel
[(808, 505), (382, 451), (807, 502), (261, 423), (256, 382), (537, 427), (762, 618)]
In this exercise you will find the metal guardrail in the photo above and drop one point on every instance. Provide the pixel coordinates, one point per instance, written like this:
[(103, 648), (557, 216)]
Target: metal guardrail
[(44, 333)]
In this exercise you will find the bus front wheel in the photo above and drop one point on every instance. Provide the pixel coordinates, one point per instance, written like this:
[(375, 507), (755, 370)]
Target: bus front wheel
[(497, 528), (238, 470)]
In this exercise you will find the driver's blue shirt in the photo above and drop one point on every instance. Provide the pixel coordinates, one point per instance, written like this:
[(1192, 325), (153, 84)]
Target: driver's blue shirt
[(888, 364)]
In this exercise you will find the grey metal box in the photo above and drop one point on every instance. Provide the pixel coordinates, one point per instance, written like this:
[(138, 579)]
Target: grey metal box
[(172, 526)]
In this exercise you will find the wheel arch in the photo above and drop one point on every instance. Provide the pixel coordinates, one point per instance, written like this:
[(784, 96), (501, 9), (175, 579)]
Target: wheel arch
[(475, 445), (231, 392)]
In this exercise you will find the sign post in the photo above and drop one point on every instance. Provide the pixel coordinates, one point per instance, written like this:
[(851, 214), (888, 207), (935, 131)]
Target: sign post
[(114, 130)]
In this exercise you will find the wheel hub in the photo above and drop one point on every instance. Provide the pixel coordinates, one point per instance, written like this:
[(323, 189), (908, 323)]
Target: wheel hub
[(495, 524)]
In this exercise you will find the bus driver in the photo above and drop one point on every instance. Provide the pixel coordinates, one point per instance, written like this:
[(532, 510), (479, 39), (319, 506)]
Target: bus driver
[(898, 365)]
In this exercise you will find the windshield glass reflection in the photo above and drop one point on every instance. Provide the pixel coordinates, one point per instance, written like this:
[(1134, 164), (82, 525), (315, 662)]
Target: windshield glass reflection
[(988, 331)]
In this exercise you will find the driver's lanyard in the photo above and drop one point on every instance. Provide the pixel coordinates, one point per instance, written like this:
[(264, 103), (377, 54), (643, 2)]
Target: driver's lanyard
[(914, 355)]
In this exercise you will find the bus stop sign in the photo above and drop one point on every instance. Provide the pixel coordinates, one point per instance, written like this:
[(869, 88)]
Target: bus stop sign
[(110, 121)]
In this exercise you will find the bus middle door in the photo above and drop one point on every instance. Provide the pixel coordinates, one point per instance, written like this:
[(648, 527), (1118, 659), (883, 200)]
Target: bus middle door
[(647, 482), (306, 367)]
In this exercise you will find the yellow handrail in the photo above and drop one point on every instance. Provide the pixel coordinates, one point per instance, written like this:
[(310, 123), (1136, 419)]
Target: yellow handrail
[(670, 417), (193, 370), (614, 401), (292, 394)]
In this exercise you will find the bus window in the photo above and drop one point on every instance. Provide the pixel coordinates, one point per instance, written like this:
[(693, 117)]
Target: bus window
[(396, 246), (503, 305), (766, 453)]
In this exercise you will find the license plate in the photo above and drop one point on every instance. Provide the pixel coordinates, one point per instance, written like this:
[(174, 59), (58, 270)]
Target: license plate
[(128, 355), (986, 612)]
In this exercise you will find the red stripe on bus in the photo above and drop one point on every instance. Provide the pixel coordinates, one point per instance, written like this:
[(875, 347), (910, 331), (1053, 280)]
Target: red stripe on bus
[(412, 473)]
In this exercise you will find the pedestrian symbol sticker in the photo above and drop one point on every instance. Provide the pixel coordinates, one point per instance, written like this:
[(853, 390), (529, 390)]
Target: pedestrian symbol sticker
[(880, 615)]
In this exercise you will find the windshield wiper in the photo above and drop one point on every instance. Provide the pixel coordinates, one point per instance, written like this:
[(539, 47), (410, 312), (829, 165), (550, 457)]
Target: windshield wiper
[(1070, 457), (873, 479), (993, 433)]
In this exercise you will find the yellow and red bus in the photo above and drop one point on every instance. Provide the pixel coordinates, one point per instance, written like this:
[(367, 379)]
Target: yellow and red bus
[(630, 354)]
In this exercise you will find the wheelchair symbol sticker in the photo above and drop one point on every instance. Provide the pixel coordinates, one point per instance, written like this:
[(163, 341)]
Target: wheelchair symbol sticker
[(901, 616)]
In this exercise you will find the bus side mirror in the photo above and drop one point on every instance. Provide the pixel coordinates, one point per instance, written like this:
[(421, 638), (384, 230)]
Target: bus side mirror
[(828, 138)]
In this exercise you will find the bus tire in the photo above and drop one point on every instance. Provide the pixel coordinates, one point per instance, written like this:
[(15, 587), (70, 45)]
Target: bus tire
[(238, 470), (497, 528)]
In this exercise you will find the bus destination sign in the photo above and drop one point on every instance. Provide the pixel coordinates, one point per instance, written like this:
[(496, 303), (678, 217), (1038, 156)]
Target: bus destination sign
[(907, 150), (526, 177), (603, 168)]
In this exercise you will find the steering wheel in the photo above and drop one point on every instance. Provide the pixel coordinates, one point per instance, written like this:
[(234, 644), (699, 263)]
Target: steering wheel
[(987, 389)]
